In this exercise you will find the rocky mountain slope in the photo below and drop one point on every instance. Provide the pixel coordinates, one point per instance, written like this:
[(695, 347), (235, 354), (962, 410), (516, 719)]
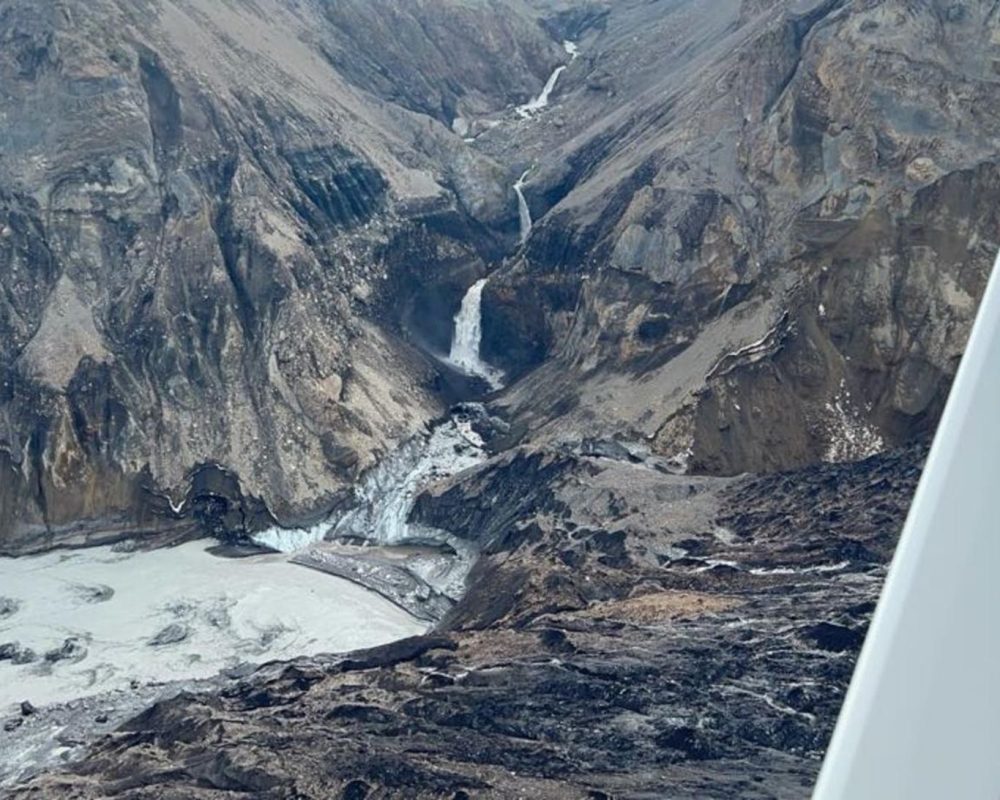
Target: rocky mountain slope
[(233, 239), (201, 203), (764, 230), (759, 239)]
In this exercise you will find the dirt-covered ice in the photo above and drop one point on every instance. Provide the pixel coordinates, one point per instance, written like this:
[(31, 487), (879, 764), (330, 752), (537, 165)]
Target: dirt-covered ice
[(92, 621)]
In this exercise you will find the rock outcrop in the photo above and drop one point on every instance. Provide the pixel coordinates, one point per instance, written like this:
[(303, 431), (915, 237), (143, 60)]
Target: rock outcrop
[(759, 239)]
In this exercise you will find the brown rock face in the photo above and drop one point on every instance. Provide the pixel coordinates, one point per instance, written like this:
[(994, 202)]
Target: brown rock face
[(233, 238), (759, 240), (202, 204), (763, 243)]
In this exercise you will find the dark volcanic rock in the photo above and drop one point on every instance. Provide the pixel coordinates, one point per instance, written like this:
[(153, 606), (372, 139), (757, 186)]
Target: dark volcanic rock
[(172, 634), (72, 649), (16, 654), (837, 638), (653, 675)]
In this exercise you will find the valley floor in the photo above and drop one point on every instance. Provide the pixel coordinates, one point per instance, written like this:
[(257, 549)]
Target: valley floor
[(96, 628)]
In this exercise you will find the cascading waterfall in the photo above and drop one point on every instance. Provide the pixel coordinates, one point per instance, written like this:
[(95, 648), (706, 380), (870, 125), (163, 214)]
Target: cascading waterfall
[(526, 110), (385, 497), (523, 212), (540, 102), (468, 336)]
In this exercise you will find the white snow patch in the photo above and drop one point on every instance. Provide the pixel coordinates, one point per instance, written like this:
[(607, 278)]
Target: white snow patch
[(816, 570), (850, 438)]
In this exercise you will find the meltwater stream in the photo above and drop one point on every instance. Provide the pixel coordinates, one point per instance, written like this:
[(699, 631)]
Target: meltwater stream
[(433, 576), (542, 100), (364, 543)]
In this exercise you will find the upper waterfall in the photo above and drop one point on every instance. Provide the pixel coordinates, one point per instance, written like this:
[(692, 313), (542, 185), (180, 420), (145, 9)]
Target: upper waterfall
[(468, 336), (540, 102)]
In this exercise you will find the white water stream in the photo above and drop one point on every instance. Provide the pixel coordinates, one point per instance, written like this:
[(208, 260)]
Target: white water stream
[(542, 100), (523, 212), (386, 494)]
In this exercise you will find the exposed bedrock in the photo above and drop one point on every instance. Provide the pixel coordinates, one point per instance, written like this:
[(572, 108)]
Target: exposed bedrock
[(202, 229), (759, 245), (768, 253)]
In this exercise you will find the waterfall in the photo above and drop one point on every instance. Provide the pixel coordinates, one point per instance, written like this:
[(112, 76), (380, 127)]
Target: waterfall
[(523, 212), (468, 336), (538, 103)]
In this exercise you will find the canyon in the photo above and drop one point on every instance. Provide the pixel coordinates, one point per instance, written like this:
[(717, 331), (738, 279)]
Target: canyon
[(603, 341)]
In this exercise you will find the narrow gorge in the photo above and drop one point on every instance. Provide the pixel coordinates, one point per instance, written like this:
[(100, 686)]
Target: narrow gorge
[(449, 399)]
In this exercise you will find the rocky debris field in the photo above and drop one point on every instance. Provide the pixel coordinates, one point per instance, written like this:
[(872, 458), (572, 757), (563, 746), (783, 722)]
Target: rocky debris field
[(628, 633)]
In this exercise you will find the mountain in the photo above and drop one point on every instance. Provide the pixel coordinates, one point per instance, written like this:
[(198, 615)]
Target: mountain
[(207, 209), (761, 240), (758, 242), (732, 257)]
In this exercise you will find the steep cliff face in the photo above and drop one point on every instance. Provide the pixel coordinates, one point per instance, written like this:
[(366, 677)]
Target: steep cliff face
[(762, 237), (201, 204), (230, 234)]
